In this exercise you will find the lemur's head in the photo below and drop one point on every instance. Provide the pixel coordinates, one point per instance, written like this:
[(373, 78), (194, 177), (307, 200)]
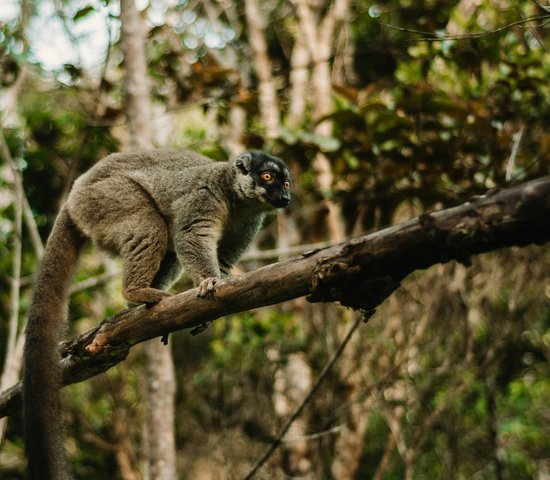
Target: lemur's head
[(263, 177)]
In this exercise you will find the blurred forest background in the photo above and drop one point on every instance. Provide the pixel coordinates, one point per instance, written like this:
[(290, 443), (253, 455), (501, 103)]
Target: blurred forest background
[(383, 110)]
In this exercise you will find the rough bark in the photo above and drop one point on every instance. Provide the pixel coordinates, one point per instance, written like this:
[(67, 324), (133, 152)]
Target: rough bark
[(161, 382), (359, 273)]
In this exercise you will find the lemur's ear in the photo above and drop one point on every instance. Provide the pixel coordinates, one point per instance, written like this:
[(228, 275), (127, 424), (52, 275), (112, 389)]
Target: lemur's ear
[(243, 163)]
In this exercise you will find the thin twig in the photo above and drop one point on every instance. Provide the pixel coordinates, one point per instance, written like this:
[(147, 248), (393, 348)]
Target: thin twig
[(93, 281), (435, 37), (17, 250), (534, 31), (29, 219), (313, 436), (36, 241), (16, 270), (530, 165), (279, 438), (10, 371), (511, 165)]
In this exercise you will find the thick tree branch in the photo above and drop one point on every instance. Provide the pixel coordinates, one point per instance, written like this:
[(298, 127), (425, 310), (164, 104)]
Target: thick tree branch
[(359, 273)]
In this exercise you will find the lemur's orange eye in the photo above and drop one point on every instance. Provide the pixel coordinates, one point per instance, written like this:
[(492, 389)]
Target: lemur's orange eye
[(286, 185), (266, 177)]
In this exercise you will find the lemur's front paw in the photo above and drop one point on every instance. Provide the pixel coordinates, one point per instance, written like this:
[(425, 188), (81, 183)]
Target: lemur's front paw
[(207, 287)]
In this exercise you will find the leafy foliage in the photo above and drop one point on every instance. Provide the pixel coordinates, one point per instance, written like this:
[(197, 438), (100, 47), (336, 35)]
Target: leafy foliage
[(446, 99)]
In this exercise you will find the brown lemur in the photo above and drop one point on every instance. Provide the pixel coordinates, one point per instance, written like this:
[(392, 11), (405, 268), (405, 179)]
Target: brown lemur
[(161, 211)]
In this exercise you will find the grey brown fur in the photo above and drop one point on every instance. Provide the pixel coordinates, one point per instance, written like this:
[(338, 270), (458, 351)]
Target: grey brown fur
[(161, 211)]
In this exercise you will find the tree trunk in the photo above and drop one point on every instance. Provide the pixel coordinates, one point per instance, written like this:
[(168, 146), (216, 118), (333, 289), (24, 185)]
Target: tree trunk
[(161, 391), (137, 85), (237, 126), (160, 372), (349, 443), (318, 32), (269, 108), (293, 382), (299, 79), (14, 357)]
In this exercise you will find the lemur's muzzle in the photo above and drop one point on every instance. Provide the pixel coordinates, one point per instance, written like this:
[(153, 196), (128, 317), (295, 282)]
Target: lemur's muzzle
[(282, 201)]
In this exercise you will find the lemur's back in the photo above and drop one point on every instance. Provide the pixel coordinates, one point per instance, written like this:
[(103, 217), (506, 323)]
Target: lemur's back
[(147, 160), (159, 176)]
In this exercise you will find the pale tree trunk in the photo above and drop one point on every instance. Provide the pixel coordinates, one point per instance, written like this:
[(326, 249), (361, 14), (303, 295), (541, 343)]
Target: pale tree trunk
[(269, 108), (237, 125), (137, 85), (160, 370), (12, 365), (293, 382), (343, 71), (233, 134), (319, 33), (299, 80), (349, 444), (161, 389)]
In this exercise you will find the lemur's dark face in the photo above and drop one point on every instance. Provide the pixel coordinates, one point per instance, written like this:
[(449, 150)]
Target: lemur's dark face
[(272, 175), (262, 177)]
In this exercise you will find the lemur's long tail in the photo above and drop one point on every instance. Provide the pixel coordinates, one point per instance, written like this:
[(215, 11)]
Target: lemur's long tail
[(47, 318)]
